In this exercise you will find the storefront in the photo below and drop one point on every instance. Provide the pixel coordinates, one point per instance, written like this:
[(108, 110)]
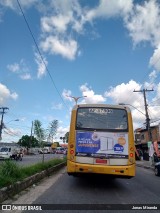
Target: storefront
[(143, 151)]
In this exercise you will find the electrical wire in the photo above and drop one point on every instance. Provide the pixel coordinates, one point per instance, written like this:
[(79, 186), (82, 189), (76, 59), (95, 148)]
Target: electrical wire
[(40, 54), (9, 132)]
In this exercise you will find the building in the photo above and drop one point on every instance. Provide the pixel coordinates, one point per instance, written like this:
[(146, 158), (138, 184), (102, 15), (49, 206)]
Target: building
[(142, 139), (3, 144)]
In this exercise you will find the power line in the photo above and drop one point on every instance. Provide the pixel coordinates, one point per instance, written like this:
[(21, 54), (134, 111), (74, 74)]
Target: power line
[(40, 54)]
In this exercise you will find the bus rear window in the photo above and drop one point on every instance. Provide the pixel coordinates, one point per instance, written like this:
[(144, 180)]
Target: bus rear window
[(102, 119)]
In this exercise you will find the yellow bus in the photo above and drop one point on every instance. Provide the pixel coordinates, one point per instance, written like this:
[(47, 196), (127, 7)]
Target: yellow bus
[(101, 141)]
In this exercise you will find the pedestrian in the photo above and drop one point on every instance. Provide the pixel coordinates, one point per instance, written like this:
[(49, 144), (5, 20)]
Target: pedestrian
[(151, 154), (141, 154)]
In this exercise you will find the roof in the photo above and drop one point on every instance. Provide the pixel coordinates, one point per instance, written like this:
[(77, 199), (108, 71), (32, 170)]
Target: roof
[(64, 145), (117, 106)]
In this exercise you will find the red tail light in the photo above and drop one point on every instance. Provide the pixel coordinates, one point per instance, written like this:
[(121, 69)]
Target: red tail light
[(131, 155), (72, 152)]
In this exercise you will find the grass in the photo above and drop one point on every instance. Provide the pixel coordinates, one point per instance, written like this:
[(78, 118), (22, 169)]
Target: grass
[(10, 172)]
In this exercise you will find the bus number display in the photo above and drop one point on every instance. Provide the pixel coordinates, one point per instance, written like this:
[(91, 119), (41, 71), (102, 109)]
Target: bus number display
[(100, 110)]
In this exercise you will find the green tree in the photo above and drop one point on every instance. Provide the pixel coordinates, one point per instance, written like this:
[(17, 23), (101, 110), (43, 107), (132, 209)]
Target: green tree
[(52, 130), (28, 141), (66, 137)]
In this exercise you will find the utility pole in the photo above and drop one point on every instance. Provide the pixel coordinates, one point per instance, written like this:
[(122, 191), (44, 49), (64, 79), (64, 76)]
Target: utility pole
[(146, 110), (1, 125), (31, 135)]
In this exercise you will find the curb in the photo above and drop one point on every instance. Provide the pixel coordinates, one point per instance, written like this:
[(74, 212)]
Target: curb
[(146, 167), (11, 190)]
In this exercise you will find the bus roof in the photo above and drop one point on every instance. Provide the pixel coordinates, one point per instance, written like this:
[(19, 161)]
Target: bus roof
[(102, 105)]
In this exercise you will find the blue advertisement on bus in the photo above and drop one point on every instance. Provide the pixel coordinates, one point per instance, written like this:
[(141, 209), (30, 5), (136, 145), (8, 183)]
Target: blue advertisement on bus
[(101, 143)]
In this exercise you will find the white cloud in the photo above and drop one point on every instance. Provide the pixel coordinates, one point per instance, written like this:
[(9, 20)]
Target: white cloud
[(155, 59), (91, 96), (151, 83), (142, 23), (6, 94), (156, 99), (153, 75), (25, 76), (67, 48), (123, 93), (14, 95), (69, 17), (58, 23), (14, 67), (108, 9), (61, 131), (63, 19), (41, 65), (13, 4), (66, 94), (69, 13), (20, 69)]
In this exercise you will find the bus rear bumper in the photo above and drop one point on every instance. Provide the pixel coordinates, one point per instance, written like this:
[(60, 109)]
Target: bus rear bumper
[(78, 168)]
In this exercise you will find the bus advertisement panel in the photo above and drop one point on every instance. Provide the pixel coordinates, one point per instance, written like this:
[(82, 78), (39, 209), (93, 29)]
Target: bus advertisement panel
[(102, 144)]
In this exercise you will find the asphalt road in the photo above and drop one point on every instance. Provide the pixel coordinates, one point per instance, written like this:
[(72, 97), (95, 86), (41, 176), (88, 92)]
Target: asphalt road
[(33, 159), (63, 189)]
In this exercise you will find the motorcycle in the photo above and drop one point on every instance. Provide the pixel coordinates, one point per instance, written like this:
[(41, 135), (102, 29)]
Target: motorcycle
[(18, 156)]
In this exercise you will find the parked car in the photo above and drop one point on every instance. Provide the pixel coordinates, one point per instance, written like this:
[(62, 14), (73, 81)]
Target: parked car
[(45, 150), (157, 169), (60, 150)]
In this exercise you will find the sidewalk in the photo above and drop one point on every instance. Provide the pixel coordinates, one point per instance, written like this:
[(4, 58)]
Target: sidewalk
[(144, 163)]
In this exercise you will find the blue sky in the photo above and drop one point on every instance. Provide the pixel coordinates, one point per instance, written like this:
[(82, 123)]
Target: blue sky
[(100, 49)]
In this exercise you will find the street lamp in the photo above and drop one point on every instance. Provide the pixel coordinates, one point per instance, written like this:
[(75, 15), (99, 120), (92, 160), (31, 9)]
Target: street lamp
[(13, 120), (123, 104), (76, 98)]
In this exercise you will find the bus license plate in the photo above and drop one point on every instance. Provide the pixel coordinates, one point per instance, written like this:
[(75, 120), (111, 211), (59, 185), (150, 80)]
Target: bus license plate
[(102, 161)]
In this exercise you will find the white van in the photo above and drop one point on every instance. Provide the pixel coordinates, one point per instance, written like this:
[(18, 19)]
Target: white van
[(8, 152), (45, 150), (60, 150)]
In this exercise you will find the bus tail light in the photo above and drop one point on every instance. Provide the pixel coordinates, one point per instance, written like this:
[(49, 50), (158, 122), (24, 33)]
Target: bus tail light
[(131, 155), (71, 146), (132, 149), (72, 152)]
